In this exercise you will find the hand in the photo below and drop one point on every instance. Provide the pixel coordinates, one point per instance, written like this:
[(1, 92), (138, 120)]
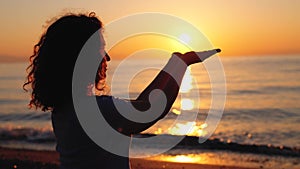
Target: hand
[(196, 57)]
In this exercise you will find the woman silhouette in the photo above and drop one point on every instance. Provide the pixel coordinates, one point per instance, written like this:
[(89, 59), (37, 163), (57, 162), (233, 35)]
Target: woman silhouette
[(50, 78)]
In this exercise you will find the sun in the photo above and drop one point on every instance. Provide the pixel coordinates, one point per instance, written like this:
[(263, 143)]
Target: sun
[(185, 38)]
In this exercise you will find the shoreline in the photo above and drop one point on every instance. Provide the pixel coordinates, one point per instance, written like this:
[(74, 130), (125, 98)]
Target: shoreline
[(43, 159)]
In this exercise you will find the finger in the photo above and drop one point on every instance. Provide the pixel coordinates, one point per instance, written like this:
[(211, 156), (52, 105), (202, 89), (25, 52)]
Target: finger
[(202, 53), (206, 54)]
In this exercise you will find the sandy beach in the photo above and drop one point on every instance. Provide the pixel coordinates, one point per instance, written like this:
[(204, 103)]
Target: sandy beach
[(33, 159)]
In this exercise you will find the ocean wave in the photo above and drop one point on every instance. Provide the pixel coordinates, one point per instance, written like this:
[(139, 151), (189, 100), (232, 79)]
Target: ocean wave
[(186, 144), (191, 143), (30, 116), (27, 134), (242, 92), (272, 89), (264, 90), (12, 101), (269, 113)]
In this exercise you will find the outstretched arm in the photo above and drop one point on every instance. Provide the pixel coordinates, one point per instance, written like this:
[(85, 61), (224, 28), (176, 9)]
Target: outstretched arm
[(170, 77)]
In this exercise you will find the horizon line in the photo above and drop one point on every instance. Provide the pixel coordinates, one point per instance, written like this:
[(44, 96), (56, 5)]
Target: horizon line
[(9, 59)]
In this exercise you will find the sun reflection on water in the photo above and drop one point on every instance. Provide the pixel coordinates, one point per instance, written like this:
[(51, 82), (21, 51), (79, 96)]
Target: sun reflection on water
[(187, 104), (187, 80), (182, 159), (188, 128)]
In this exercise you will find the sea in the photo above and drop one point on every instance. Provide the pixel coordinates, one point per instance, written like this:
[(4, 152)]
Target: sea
[(259, 126)]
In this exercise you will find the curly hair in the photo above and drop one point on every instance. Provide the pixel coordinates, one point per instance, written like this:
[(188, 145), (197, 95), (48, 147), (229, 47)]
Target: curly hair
[(54, 56)]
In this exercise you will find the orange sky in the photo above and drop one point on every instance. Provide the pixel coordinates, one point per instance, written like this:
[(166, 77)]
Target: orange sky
[(256, 27)]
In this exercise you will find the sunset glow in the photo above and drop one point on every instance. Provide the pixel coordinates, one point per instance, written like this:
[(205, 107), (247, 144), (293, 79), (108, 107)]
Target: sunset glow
[(159, 84), (133, 44), (245, 28)]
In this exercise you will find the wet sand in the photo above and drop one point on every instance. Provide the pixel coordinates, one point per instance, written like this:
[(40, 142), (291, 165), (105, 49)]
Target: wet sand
[(33, 159)]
